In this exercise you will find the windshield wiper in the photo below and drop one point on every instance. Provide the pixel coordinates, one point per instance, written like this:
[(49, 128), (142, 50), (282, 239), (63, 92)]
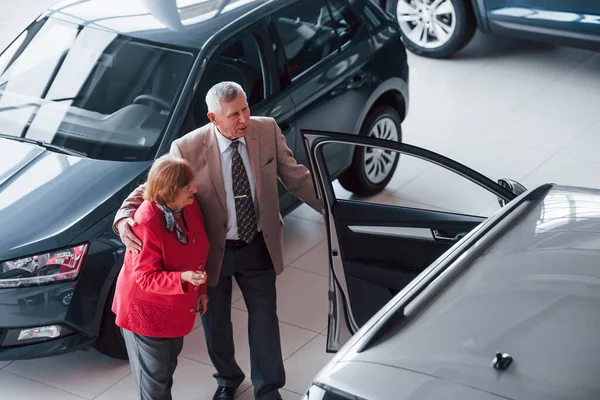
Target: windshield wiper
[(46, 145)]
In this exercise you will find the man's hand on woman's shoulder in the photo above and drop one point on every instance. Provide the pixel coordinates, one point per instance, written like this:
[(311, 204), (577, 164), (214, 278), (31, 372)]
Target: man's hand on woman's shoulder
[(127, 236)]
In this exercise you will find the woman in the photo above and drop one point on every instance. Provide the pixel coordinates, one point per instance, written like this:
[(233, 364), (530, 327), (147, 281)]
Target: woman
[(160, 288)]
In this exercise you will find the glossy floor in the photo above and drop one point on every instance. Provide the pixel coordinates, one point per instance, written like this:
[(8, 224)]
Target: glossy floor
[(508, 109)]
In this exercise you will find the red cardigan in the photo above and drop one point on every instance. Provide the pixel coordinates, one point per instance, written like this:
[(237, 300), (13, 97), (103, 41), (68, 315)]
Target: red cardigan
[(150, 299)]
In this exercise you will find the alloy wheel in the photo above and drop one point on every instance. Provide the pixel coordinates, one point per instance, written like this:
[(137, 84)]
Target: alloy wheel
[(427, 23), (378, 163)]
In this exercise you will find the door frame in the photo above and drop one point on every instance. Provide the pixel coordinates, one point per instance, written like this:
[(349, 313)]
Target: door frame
[(339, 299)]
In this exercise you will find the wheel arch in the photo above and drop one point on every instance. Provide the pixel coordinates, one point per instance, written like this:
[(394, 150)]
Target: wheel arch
[(478, 9), (393, 92)]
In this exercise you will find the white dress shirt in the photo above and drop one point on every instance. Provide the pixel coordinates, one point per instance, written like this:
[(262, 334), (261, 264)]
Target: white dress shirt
[(226, 152)]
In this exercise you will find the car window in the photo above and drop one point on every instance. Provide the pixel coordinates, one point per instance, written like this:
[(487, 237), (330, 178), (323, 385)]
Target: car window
[(281, 64), (241, 61), (421, 184), (96, 92), (347, 23), (373, 15), (307, 32)]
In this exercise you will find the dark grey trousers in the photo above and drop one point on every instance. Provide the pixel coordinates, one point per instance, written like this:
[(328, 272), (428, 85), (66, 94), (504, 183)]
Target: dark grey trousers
[(253, 270), (153, 362)]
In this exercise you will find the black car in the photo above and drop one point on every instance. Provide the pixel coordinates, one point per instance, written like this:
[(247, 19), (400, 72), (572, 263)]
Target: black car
[(440, 28), (429, 304), (90, 96)]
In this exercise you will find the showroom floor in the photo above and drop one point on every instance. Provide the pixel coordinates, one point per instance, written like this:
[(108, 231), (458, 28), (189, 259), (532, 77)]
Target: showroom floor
[(505, 108)]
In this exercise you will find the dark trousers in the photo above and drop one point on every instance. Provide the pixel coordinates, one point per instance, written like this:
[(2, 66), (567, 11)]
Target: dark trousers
[(253, 270), (153, 362)]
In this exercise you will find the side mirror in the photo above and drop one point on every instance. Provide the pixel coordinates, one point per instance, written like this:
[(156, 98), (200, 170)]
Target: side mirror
[(511, 185)]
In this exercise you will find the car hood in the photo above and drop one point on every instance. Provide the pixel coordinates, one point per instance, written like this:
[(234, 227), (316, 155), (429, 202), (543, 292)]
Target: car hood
[(48, 199), (531, 293), (375, 381)]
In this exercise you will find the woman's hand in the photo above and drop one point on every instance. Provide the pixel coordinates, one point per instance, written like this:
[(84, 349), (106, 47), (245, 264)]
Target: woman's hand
[(202, 305), (195, 278)]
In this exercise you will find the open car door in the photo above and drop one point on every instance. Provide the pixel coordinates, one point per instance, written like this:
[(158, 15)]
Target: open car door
[(376, 249)]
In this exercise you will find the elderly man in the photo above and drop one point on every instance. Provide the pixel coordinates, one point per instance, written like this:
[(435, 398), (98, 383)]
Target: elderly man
[(238, 160)]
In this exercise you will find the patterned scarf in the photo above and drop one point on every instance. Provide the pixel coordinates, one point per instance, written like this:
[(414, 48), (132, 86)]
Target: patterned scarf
[(172, 223)]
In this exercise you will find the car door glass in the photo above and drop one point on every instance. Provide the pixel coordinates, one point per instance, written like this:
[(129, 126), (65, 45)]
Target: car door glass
[(307, 33), (281, 64), (424, 185), (240, 61), (373, 16), (347, 24)]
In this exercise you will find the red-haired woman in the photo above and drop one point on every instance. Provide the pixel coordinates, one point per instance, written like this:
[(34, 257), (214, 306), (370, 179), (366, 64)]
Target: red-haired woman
[(160, 289)]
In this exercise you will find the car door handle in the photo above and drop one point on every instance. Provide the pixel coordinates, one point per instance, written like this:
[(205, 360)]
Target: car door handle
[(440, 235)]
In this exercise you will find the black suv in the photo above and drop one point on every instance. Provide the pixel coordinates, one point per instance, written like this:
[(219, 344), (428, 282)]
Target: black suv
[(90, 96)]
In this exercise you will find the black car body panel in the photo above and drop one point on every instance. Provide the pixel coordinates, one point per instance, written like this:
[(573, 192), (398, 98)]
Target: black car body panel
[(54, 200), (71, 193), (45, 305)]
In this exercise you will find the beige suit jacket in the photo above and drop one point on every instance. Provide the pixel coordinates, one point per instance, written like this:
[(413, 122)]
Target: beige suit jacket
[(271, 160)]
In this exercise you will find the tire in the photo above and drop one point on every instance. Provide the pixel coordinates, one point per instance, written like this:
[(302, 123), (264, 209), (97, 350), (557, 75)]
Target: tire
[(457, 18), (110, 341), (363, 177)]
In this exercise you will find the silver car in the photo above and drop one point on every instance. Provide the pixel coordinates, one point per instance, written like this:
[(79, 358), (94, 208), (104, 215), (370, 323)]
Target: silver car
[(504, 307)]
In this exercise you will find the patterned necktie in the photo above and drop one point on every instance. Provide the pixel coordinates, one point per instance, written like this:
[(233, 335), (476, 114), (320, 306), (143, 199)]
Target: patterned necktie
[(244, 206)]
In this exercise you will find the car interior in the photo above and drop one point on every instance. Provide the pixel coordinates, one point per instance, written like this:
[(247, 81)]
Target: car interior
[(306, 42), (126, 102), (104, 95), (238, 62), (384, 247)]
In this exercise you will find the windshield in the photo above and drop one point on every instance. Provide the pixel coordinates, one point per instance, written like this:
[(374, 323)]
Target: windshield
[(92, 91)]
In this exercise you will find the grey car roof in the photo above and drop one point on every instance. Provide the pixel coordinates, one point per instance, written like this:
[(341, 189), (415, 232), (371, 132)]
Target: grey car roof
[(534, 293), (187, 23)]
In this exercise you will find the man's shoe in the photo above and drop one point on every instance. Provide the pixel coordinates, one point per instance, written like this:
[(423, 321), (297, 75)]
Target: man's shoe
[(224, 393)]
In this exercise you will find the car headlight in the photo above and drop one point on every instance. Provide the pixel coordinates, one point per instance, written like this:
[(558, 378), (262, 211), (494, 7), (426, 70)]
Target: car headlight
[(53, 266)]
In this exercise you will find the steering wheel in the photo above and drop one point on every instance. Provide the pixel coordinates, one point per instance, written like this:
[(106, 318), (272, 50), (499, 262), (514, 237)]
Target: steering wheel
[(152, 99)]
